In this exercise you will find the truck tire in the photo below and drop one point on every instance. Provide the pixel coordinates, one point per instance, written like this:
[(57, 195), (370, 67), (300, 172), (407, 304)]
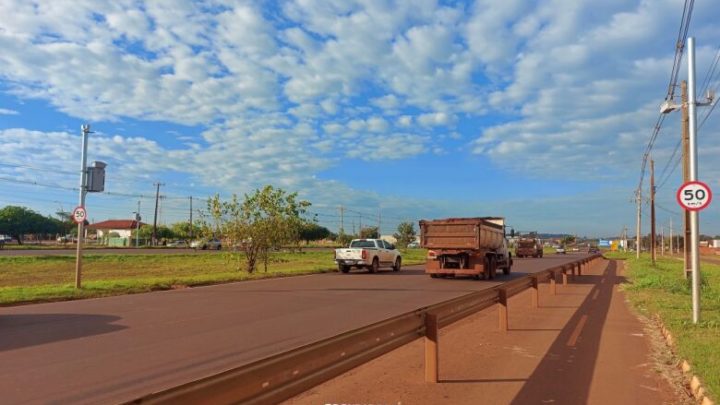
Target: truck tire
[(508, 265), (343, 268), (398, 263), (493, 268), (374, 266)]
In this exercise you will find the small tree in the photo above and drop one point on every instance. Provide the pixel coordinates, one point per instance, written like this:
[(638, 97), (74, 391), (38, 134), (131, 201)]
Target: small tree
[(343, 239), (370, 232), (264, 220), (405, 234)]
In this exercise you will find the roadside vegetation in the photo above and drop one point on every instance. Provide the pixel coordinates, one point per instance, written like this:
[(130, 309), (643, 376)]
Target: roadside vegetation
[(29, 279), (664, 292)]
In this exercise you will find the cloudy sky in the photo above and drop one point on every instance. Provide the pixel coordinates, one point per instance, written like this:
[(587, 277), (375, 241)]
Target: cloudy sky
[(406, 109)]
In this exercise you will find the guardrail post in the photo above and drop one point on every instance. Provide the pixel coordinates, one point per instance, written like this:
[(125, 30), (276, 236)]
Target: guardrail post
[(431, 348), (503, 310), (564, 276), (553, 285), (535, 295), (580, 268)]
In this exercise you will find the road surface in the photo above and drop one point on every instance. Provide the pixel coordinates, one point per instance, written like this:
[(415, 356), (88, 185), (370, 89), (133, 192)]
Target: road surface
[(118, 348)]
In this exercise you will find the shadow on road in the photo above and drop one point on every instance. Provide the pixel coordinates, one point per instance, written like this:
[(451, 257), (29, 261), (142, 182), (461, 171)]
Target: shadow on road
[(26, 330), (565, 373)]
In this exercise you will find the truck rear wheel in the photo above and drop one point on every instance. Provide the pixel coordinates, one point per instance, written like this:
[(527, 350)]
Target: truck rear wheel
[(343, 268), (493, 268), (375, 266)]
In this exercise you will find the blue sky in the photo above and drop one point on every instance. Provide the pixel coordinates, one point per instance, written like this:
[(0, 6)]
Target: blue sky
[(539, 112)]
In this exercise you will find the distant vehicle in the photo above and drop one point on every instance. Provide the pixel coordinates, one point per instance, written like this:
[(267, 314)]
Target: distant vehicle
[(178, 243), (369, 254), (474, 247), (5, 238), (593, 249), (560, 250), (527, 247), (66, 239), (205, 244), (413, 245)]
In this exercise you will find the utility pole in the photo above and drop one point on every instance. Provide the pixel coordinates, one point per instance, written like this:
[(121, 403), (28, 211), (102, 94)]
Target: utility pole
[(638, 199), (191, 223), (671, 238), (360, 225), (625, 241), (379, 222), (342, 220), (157, 198), (692, 143), (85, 130), (652, 211), (662, 241), (685, 133), (137, 226)]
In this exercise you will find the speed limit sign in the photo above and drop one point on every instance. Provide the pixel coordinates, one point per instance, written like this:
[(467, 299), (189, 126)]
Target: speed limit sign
[(694, 195), (79, 214)]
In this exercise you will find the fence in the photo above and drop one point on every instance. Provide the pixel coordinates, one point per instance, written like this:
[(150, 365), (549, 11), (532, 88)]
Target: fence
[(282, 376)]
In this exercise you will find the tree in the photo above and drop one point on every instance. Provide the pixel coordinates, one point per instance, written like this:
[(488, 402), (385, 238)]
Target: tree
[(311, 232), (181, 230), (343, 239), (370, 232), (405, 234), (264, 220), (20, 221)]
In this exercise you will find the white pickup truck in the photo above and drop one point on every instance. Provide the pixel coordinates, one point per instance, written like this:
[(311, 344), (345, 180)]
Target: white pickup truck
[(368, 253)]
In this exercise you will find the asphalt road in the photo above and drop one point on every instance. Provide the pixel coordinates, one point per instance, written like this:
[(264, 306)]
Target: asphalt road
[(118, 348)]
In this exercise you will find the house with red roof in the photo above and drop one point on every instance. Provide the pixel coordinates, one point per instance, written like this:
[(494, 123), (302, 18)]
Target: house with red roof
[(122, 227)]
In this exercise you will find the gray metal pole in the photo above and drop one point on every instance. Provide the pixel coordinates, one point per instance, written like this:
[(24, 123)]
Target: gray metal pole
[(85, 130), (694, 226)]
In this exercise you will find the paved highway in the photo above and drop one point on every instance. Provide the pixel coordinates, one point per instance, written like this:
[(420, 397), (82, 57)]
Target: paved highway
[(115, 349)]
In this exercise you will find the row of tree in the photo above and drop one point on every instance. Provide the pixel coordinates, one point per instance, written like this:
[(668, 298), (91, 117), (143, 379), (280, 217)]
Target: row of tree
[(20, 221)]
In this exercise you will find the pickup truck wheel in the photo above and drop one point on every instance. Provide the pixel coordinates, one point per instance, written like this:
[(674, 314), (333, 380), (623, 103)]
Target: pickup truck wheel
[(375, 266), (398, 263), (343, 268)]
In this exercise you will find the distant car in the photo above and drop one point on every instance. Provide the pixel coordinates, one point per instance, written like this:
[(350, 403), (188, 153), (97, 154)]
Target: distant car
[(560, 250), (413, 245), (66, 239), (178, 243), (204, 244), (593, 250)]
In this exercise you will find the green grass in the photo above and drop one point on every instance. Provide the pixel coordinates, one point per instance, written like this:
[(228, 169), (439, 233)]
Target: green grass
[(28, 279), (663, 291)]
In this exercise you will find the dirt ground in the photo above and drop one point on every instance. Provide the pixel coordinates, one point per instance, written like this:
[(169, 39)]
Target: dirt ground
[(581, 346)]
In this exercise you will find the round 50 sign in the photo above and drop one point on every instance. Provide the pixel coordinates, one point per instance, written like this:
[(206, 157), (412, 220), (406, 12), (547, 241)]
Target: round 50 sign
[(79, 214), (694, 195)]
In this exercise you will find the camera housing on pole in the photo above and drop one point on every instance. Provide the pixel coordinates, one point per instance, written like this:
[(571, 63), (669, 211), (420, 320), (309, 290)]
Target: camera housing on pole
[(95, 182)]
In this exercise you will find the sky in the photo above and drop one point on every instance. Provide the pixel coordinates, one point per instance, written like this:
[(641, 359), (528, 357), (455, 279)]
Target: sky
[(395, 111)]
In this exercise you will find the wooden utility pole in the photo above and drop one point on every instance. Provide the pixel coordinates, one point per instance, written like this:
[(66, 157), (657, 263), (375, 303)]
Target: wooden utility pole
[(671, 238), (686, 173), (342, 220), (652, 210), (191, 223), (638, 237), (157, 198)]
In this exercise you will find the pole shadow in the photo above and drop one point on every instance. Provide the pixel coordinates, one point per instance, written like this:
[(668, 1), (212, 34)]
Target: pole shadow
[(565, 373)]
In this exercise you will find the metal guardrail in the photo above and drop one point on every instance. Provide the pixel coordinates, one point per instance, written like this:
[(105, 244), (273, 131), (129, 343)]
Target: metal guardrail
[(282, 376)]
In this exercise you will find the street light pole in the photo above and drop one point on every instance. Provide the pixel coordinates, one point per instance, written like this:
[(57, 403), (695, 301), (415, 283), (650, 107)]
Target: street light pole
[(694, 231), (85, 130)]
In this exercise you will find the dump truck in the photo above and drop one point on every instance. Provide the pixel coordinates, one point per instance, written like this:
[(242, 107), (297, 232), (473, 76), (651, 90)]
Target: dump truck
[(474, 247), (526, 247)]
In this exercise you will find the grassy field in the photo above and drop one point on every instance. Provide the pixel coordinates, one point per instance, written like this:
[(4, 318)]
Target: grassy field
[(26, 279), (663, 291)]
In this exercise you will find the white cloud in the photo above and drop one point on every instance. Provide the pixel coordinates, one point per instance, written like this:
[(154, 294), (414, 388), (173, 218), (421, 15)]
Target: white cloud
[(6, 111)]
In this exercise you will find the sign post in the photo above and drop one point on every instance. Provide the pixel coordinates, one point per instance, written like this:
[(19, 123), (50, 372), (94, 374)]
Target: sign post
[(694, 196)]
